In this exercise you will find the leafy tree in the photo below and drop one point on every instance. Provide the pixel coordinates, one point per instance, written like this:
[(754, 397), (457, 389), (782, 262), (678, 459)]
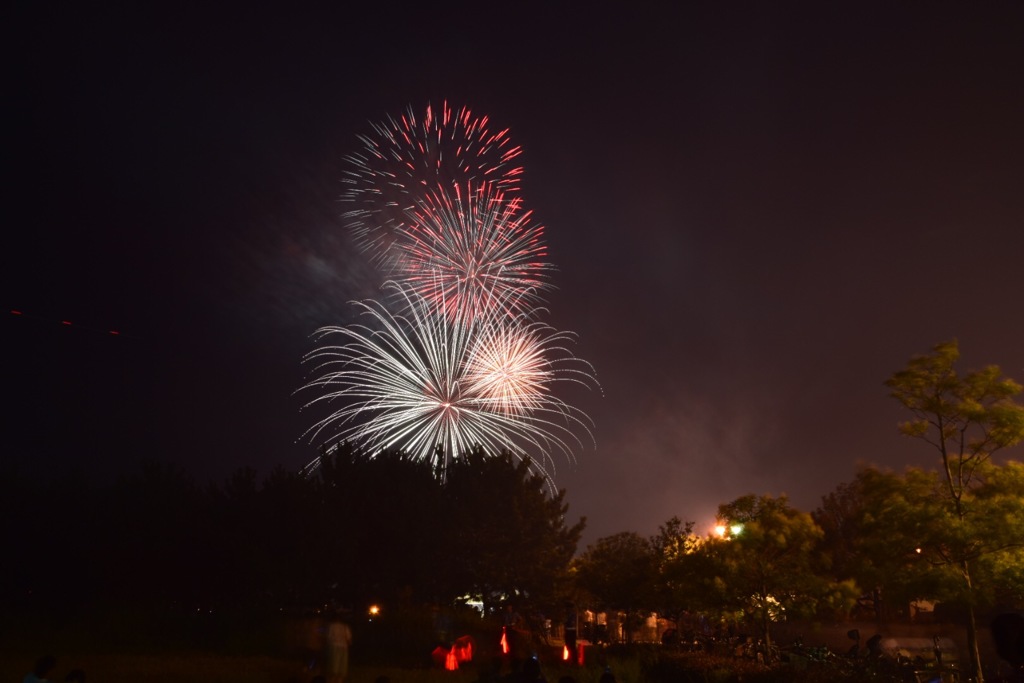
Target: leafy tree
[(768, 562), (685, 569), (872, 535), (839, 517), (238, 560), (1002, 498), (293, 533), (911, 540), (383, 525), (890, 521), (966, 419), (506, 531), (620, 572), (401, 527)]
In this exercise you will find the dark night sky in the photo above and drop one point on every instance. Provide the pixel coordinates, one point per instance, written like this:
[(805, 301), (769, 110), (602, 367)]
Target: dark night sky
[(757, 215)]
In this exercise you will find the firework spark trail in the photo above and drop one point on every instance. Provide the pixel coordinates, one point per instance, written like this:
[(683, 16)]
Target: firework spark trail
[(404, 156), (419, 381), (471, 250)]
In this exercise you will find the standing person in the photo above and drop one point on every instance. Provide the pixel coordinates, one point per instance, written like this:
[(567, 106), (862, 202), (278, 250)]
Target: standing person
[(339, 638), (571, 627), (514, 633)]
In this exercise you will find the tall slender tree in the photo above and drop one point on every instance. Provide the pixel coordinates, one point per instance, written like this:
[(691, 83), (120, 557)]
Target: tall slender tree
[(966, 418)]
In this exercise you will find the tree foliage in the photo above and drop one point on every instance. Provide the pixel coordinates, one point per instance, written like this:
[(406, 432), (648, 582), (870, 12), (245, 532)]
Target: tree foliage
[(685, 575), (840, 519), (506, 534), (966, 418), (619, 571), (768, 563), (909, 542), (366, 528)]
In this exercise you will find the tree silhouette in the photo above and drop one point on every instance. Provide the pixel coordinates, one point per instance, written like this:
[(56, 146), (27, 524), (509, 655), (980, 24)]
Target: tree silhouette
[(966, 419)]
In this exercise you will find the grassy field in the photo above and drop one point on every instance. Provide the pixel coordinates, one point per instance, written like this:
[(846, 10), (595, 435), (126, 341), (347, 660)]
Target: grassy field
[(127, 651), (177, 668), (129, 648), (158, 668)]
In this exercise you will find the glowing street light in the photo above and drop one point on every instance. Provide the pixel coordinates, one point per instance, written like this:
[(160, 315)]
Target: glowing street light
[(727, 532)]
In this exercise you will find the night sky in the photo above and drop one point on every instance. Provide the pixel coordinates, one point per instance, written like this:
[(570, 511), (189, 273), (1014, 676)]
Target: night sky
[(757, 211)]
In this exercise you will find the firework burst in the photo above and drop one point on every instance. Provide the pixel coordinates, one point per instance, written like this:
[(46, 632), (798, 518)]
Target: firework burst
[(472, 251), (454, 357), (510, 368), (435, 387), (405, 156)]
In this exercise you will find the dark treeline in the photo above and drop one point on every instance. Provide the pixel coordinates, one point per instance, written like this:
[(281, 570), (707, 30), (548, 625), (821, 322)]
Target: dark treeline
[(360, 530), (159, 548)]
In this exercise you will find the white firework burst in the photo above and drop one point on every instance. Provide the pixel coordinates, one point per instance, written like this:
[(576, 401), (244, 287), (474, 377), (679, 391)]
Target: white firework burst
[(435, 387)]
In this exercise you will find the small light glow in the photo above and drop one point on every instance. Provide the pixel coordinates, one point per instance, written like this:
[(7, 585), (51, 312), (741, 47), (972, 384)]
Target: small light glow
[(728, 531)]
